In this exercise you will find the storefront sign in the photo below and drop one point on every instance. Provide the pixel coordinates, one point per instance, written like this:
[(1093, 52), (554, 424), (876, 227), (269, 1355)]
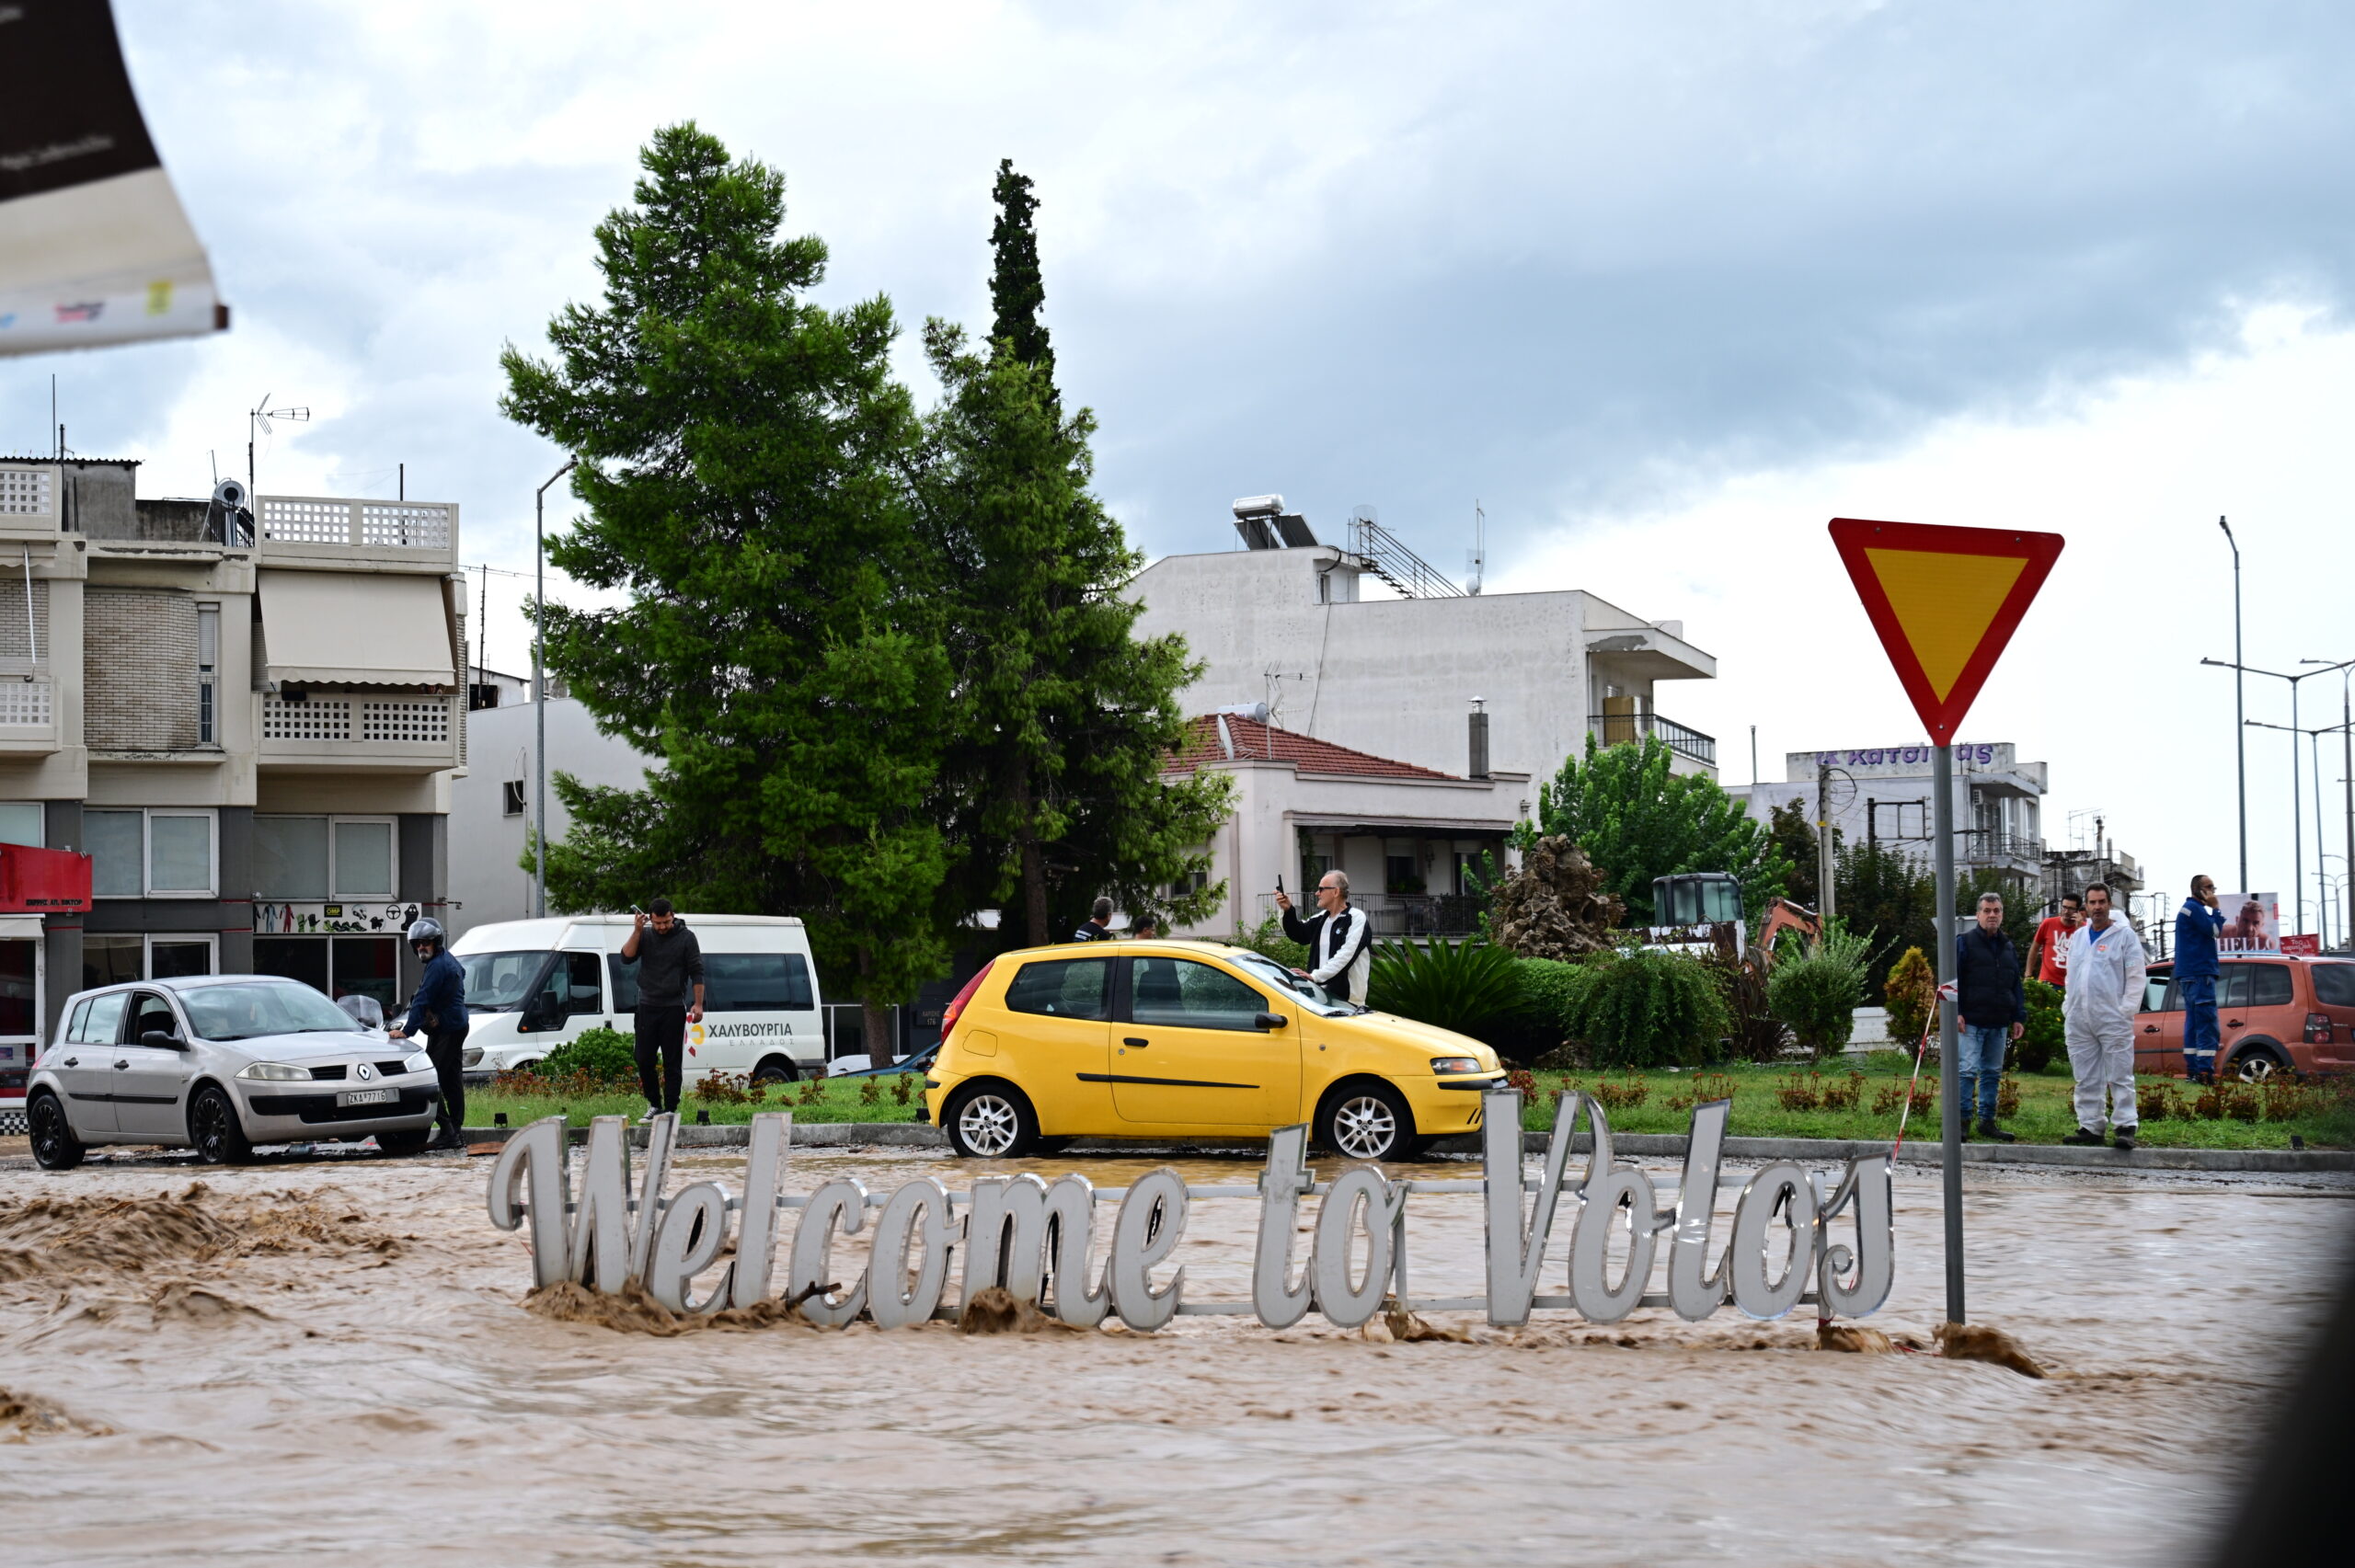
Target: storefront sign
[(282, 918), (1038, 1239)]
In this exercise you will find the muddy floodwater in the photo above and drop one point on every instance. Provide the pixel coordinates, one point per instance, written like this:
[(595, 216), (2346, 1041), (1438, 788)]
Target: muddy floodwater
[(316, 1359)]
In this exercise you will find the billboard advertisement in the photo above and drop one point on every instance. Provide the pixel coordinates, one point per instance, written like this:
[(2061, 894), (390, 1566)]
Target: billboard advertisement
[(2251, 923)]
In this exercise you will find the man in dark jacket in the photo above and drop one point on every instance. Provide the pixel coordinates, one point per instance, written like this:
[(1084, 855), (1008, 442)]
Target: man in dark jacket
[(2196, 926), (1991, 1009), (438, 1011), (1097, 926), (670, 997)]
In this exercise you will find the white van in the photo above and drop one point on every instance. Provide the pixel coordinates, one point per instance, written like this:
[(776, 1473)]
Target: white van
[(531, 985)]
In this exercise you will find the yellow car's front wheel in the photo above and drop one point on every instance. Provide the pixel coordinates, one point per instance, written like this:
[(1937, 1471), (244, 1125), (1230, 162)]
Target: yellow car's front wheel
[(1367, 1119), (990, 1120)]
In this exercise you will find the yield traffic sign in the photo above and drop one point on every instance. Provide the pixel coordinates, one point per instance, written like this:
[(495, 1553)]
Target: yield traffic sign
[(1945, 601)]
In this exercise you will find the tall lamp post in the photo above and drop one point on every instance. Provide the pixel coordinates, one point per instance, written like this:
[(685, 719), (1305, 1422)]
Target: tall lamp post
[(2346, 669), (540, 692), (2240, 706), (2298, 849)]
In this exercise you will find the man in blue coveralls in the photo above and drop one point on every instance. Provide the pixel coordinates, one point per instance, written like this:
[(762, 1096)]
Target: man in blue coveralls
[(2196, 927)]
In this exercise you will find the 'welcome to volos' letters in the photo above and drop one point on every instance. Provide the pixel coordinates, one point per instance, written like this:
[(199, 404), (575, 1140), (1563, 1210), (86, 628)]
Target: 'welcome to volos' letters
[(1036, 1239)]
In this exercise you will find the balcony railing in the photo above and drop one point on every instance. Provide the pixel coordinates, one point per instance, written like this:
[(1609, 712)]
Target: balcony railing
[(1616, 729), (1982, 846), (377, 729), (333, 529)]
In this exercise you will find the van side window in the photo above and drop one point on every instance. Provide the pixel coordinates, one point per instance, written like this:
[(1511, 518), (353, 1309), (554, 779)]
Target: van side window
[(2232, 986), (1061, 987), (2269, 985), (625, 977), (756, 983), (571, 987)]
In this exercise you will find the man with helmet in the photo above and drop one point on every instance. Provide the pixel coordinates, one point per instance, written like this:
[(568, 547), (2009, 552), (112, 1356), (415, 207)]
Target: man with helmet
[(438, 1011)]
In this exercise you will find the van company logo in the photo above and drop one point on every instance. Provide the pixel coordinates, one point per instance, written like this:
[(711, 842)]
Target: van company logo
[(745, 1031)]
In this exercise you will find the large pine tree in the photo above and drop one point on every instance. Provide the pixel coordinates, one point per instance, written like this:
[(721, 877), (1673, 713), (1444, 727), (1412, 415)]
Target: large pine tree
[(1066, 721), (742, 460)]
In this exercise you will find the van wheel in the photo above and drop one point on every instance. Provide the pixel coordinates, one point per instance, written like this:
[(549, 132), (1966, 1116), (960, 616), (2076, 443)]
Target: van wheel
[(54, 1146), (1366, 1121), (2259, 1063), (990, 1121), (774, 1069), (214, 1127)]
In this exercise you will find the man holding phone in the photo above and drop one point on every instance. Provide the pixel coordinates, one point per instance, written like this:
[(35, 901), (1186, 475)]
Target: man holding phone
[(1340, 939), (670, 997)]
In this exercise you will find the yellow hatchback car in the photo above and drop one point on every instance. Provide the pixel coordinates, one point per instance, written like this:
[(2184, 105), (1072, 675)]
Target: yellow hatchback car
[(1188, 1039)]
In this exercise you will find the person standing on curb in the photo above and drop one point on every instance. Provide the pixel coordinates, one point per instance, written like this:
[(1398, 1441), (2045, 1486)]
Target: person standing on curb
[(1340, 939), (2196, 926), (1098, 927), (2048, 951), (670, 997), (1992, 1010), (2107, 968), (438, 1011)]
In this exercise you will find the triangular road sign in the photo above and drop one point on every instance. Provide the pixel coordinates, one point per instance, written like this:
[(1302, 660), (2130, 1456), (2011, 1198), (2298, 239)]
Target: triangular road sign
[(1945, 601)]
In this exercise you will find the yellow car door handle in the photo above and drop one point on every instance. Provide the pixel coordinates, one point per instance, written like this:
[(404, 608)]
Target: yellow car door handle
[(1132, 1040)]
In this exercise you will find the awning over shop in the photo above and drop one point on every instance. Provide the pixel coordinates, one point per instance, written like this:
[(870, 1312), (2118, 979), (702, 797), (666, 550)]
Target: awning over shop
[(1400, 827), (355, 629)]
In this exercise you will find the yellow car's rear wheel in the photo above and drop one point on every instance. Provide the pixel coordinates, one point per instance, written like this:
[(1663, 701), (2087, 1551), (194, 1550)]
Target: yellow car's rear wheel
[(990, 1121)]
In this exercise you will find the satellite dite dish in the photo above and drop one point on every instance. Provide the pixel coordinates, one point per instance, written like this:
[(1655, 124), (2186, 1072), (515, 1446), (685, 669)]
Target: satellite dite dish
[(230, 495), (95, 247)]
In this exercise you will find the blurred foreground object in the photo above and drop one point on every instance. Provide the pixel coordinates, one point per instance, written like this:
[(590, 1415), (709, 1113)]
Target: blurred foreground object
[(94, 246)]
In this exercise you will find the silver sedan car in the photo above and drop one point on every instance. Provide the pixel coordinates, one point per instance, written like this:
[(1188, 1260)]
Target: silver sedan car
[(221, 1063)]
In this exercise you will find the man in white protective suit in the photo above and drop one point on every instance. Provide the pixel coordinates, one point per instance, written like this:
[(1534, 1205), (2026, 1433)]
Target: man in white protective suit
[(2105, 973)]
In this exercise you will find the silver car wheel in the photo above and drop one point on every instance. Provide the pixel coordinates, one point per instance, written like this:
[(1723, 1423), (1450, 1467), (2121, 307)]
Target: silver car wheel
[(989, 1125), (1364, 1128)]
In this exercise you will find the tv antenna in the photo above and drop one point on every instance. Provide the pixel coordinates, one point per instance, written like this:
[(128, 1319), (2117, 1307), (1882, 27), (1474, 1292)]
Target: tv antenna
[(258, 418), (1477, 562)]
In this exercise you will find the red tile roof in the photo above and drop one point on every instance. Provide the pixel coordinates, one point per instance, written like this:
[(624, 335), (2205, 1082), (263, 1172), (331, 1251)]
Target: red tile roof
[(1309, 755)]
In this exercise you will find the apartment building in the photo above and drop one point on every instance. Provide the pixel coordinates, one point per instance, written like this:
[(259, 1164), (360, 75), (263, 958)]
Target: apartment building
[(249, 719)]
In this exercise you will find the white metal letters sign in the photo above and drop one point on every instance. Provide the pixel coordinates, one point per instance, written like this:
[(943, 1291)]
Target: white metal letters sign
[(1037, 1240)]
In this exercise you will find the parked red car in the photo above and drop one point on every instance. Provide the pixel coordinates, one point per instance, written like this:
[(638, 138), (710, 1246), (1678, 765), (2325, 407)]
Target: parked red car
[(2274, 1013)]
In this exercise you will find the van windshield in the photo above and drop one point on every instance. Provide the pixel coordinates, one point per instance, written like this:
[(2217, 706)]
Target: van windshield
[(1311, 995), (497, 981)]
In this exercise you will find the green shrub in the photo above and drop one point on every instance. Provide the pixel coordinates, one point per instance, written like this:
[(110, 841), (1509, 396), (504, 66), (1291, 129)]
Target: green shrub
[(1469, 987), (1550, 988), (1646, 1009), (1269, 940), (596, 1056), (1913, 986), (2045, 1036), (1816, 992)]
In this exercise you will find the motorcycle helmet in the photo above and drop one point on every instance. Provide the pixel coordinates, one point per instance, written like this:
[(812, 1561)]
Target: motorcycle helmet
[(426, 930)]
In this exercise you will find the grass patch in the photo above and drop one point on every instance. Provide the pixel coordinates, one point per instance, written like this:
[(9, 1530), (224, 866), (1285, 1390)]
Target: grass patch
[(836, 1100), (1774, 1100)]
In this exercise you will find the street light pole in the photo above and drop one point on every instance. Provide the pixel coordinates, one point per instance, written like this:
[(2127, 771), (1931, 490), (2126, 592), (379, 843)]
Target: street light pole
[(2346, 669), (2298, 852), (540, 692), (2240, 707)]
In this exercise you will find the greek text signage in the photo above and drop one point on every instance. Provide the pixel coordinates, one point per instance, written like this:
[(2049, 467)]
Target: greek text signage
[(1039, 1240)]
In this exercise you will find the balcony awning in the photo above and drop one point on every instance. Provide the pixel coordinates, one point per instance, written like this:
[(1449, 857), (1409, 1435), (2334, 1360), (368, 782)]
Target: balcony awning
[(355, 629)]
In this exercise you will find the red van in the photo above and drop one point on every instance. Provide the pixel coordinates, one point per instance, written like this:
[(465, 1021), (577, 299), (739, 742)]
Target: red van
[(2275, 1013)]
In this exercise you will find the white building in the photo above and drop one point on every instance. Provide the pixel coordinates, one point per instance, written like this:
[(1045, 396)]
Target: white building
[(1285, 624), (1882, 795), (1408, 837), (491, 805)]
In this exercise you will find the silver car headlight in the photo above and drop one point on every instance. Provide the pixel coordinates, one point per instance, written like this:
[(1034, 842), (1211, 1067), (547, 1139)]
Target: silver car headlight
[(420, 1062), (275, 1073)]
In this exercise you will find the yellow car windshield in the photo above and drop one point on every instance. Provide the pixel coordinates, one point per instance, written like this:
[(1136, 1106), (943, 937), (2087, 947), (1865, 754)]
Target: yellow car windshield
[(1311, 995)]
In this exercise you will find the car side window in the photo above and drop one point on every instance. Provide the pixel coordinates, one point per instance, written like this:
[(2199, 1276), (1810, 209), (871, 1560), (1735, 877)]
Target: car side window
[(105, 1019), (1063, 987), (1180, 993), (2158, 994), (2232, 986), (148, 1011), (2269, 985), (74, 1025), (2334, 984)]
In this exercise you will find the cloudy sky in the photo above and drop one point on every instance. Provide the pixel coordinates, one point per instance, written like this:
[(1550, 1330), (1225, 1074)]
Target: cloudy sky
[(1663, 287)]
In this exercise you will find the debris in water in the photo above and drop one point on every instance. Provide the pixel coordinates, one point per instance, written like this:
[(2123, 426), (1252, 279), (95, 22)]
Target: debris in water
[(25, 1416), (1977, 1342), (633, 1310), (1853, 1337), (1408, 1328), (995, 1310)]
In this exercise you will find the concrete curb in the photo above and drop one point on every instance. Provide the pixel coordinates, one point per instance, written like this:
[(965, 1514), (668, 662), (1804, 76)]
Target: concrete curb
[(1651, 1145)]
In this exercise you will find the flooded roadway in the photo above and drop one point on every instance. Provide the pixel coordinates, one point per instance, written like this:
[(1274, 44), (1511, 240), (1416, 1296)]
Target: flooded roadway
[(312, 1359)]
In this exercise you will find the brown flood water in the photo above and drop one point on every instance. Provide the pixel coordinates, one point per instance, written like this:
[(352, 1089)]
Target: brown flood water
[(314, 1359)]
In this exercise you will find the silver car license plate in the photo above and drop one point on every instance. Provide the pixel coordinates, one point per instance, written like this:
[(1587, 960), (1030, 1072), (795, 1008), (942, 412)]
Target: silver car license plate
[(368, 1097)]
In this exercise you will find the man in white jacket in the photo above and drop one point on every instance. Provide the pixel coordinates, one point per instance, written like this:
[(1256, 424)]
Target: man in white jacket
[(2107, 968), (1340, 939)]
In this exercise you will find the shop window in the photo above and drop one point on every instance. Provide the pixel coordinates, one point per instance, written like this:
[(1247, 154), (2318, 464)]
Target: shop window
[(176, 957), (366, 965), (23, 822), (17, 998), (302, 958), (110, 960)]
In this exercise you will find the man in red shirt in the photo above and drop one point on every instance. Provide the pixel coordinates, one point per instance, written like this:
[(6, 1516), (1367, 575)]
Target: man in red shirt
[(2048, 956)]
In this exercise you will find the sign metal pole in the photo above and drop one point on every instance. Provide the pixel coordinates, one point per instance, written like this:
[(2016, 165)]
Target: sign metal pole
[(1950, 1106)]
